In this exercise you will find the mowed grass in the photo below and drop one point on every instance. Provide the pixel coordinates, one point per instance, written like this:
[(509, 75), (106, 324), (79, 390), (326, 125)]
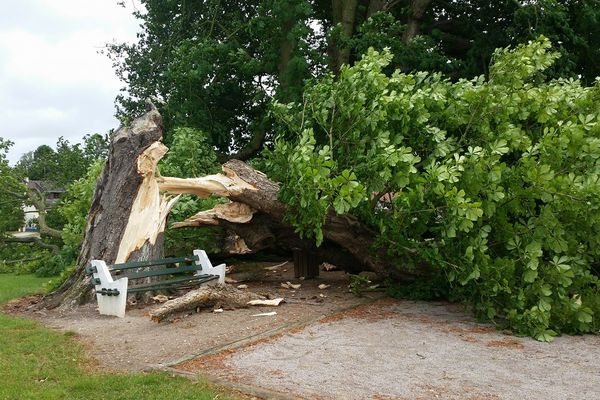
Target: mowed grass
[(39, 363), (13, 286)]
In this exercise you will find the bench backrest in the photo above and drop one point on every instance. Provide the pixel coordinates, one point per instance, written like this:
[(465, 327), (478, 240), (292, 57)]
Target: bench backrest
[(124, 269)]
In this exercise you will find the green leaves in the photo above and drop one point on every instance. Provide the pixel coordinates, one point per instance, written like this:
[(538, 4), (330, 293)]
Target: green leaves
[(503, 205)]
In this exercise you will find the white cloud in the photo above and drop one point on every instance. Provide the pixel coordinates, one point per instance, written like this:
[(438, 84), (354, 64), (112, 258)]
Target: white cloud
[(53, 81)]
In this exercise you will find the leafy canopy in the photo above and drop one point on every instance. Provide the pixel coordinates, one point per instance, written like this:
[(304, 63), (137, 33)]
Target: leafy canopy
[(495, 182)]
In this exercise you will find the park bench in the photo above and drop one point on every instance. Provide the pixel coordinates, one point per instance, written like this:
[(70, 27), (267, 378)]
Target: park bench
[(112, 281)]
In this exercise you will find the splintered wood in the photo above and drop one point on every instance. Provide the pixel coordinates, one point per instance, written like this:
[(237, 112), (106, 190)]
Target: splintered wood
[(235, 212), (150, 209), (225, 185)]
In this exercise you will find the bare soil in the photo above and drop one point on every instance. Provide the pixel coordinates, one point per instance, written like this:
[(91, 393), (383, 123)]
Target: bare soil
[(136, 343), (330, 344)]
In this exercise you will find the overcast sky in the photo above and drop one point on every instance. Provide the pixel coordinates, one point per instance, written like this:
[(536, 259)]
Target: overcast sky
[(53, 82)]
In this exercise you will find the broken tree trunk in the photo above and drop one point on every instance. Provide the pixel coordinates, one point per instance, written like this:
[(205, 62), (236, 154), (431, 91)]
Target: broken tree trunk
[(127, 216), (223, 296), (256, 217)]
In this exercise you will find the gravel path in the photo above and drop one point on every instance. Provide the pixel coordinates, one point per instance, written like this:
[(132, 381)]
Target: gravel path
[(419, 351)]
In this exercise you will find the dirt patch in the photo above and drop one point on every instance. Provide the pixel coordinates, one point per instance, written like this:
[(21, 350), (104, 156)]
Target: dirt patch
[(369, 312), (136, 343), (21, 305)]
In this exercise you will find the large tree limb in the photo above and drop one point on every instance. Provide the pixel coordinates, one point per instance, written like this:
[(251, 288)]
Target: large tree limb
[(37, 199), (257, 217)]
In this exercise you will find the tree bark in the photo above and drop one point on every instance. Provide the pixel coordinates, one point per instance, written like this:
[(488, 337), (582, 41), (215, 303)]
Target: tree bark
[(375, 6), (126, 218), (343, 13), (415, 15)]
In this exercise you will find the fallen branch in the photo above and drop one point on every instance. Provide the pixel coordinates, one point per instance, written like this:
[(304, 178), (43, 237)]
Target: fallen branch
[(207, 296), (34, 240), (22, 260)]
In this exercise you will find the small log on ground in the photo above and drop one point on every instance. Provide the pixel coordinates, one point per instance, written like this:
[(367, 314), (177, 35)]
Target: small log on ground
[(207, 296)]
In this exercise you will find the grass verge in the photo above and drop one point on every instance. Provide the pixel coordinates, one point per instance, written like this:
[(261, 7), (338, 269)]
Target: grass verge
[(13, 286), (39, 363)]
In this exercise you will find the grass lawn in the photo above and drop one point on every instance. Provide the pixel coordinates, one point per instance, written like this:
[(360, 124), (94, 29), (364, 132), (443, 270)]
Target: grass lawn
[(39, 363), (13, 286)]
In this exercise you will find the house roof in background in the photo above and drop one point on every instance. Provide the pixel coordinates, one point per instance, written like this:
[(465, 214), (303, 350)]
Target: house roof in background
[(43, 187)]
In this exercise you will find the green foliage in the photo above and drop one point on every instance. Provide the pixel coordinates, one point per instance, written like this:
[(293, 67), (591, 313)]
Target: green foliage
[(190, 156), (358, 284), (75, 205), (494, 183), (67, 163), (214, 63), (384, 30), (12, 193)]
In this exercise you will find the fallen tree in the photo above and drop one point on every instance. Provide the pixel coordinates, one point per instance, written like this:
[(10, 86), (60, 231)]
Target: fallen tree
[(256, 217), (128, 214)]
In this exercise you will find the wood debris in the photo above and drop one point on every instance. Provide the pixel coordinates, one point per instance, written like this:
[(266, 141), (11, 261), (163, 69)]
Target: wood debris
[(265, 314), (223, 296), (290, 285), (273, 302), (329, 267)]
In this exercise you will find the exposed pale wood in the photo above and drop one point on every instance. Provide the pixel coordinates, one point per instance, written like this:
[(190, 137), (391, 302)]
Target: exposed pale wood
[(150, 209), (224, 296), (224, 185), (235, 212)]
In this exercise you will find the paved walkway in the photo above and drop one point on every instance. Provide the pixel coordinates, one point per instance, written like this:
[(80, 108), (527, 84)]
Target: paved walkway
[(413, 350)]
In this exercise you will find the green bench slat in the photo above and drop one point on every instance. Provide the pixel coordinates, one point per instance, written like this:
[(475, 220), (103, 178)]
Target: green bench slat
[(150, 263), (169, 284), (158, 272)]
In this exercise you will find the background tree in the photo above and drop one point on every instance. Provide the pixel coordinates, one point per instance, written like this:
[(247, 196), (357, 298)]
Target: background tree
[(73, 168), (217, 64)]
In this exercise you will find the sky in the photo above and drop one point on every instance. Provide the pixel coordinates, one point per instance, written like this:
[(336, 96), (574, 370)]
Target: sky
[(53, 81)]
